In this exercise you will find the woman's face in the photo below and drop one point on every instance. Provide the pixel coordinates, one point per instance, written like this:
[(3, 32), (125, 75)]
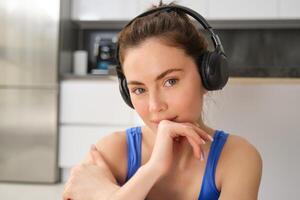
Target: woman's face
[(163, 82)]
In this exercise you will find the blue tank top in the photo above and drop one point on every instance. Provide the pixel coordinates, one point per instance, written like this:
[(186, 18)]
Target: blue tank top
[(208, 190)]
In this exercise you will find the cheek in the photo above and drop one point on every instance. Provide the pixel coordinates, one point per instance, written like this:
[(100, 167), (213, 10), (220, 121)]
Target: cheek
[(188, 101), (140, 107)]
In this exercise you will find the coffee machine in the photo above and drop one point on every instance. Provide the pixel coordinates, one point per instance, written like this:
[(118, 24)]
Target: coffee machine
[(103, 58)]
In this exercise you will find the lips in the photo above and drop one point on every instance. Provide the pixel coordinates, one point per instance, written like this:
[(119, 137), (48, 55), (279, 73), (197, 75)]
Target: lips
[(157, 121)]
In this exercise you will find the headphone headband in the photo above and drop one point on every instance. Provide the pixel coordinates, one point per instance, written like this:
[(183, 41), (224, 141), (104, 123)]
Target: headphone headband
[(199, 18)]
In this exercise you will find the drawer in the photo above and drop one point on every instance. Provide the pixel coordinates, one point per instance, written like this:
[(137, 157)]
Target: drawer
[(93, 102)]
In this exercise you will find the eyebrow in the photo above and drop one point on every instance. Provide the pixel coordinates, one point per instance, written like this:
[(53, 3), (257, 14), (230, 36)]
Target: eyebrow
[(162, 75)]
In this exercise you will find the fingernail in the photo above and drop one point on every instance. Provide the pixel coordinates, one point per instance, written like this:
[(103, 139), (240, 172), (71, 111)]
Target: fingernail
[(199, 156), (211, 138), (93, 147), (202, 156)]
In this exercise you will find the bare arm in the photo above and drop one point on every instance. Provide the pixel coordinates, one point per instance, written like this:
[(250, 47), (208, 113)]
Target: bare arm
[(94, 179), (140, 183), (242, 174)]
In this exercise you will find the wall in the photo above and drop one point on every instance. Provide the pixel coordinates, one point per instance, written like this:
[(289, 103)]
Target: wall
[(267, 113)]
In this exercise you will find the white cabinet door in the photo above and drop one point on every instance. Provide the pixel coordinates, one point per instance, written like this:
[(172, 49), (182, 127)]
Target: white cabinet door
[(75, 142), (146, 4), (200, 6), (104, 10), (243, 9), (96, 102), (289, 9)]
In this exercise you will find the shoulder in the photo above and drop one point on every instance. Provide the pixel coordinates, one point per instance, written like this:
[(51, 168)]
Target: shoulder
[(242, 168), (112, 142), (238, 148), (235, 142), (113, 148)]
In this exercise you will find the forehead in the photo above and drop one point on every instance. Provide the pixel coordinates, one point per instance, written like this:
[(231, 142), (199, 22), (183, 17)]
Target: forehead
[(153, 57)]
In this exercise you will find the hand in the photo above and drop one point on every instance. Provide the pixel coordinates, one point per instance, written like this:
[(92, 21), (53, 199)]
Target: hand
[(89, 181), (167, 131)]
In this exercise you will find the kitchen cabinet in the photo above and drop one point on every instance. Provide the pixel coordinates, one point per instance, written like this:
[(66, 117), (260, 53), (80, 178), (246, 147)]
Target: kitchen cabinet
[(76, 140), (200, 6), (104, 10), (243, 9), (289, 9), (210, 9), (255, 9), (93, 102), (227, 9), (89, 110)]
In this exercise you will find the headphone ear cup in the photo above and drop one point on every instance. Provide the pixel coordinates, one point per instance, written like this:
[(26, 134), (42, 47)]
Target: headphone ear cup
[(202, 64), (124, 89), (214, 70)]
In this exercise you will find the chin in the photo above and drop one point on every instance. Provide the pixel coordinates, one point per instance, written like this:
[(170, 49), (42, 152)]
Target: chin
[(152, 127)]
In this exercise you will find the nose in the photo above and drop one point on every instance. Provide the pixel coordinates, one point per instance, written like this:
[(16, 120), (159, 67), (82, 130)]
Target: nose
[(157, 103)]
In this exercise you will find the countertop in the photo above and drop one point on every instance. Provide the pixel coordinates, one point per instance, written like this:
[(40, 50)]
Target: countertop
[(232, 80)]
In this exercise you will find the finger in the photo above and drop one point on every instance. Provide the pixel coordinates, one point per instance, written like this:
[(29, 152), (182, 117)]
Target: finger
[(198, 150), (202, 154), (202, 133), (97, 158), (188, 130), (195, 146), (202, 157)]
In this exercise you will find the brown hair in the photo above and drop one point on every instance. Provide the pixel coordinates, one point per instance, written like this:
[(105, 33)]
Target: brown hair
[(173, 28)]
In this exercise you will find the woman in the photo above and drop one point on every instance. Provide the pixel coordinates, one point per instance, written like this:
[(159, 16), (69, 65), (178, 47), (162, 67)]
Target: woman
[(175, 155)]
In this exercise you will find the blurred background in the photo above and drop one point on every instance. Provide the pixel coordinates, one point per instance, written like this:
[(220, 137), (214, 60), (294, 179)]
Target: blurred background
[(59, 93)]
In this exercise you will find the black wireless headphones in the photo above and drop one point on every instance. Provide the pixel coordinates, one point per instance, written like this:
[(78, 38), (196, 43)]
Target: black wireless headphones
[(213, 66)]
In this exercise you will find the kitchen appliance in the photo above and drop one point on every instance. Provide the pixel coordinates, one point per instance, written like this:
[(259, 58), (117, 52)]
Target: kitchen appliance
[(105, 54), (30, 44)]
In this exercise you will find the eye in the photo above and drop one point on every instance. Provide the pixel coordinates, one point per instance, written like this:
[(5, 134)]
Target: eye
[(138, 91), (171, 82)]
